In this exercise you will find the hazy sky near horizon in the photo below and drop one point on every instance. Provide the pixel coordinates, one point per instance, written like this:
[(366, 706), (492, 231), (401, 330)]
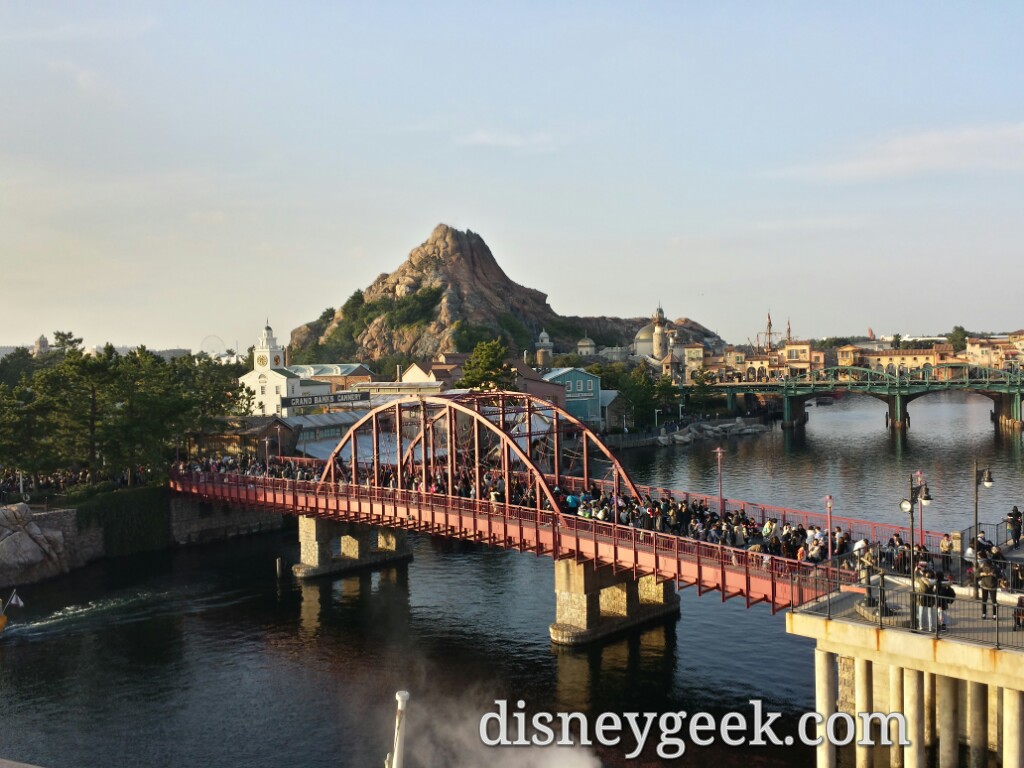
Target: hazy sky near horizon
[(172, 171)]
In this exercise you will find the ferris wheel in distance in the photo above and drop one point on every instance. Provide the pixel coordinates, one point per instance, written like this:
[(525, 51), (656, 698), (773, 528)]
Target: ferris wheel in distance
[(213, 346)]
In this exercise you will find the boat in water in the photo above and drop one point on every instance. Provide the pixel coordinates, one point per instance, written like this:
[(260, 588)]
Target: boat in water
[(13, 600)]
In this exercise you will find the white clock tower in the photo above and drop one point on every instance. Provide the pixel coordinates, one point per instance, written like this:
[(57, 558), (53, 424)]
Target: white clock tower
[(267, 354)]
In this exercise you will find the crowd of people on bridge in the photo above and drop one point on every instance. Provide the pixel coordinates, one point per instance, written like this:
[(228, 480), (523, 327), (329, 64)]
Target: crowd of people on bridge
[(250, 465), (691, 518), (14, 483)]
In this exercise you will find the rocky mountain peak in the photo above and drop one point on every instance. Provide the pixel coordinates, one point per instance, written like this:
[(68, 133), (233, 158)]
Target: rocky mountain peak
[(447, 295)]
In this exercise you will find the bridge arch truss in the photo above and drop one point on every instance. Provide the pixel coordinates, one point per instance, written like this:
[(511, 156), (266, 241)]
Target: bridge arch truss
[(504, 446)]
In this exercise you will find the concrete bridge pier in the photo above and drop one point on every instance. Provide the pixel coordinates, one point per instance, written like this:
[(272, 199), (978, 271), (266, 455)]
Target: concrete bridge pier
[(1007, 412), (794, 413), (898, 420), (592, 603), (331, 546), (976, 693)]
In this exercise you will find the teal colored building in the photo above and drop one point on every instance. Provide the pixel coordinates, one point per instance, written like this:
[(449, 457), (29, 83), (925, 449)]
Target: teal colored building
[(582, 393)]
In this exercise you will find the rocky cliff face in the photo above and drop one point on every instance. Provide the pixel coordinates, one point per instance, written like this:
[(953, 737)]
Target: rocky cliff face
[(28, 553), (449, 294)]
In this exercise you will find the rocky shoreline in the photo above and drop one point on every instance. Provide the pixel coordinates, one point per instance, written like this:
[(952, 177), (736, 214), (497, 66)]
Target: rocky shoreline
[(39, 545)]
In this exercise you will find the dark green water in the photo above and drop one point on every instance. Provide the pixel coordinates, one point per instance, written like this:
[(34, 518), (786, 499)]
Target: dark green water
[(201, 657)]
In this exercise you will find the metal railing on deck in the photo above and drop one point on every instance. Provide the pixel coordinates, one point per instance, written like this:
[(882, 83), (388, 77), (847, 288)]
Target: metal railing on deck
[(890, 603)]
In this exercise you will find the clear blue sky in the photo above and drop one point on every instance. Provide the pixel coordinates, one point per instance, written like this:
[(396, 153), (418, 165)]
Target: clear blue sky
[(170, 171)]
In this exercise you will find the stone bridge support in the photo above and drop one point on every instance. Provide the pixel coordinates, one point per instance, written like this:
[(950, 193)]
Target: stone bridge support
[(1007, 411), (330, 546), (951, 694), (592, 603)]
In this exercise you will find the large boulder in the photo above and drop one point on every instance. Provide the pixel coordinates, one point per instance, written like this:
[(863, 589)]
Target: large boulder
[(28, 553)]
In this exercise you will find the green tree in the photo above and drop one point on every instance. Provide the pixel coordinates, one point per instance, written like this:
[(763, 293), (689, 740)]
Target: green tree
[(207, 391), (487, 368), (958, 338), (76, 388), (17, 364), (701, 389), (897, 340), (612, 374), (144, 413), (666, 394), (26, 435), (568, 360), (65, 341), (637, 389)]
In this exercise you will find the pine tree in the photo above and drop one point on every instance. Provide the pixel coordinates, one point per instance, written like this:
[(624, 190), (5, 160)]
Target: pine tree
[(486, 368)]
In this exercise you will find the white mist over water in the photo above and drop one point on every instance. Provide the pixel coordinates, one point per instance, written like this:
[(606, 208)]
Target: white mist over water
[(446, 732)]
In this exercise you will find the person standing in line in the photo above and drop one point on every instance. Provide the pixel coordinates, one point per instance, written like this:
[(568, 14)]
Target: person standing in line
[(988, 580), (924, 596), (946, 550), (944, 597), (1013, 526)]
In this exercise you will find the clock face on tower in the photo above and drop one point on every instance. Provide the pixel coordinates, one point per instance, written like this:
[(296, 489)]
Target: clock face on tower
[(277, 360), (261, 360)]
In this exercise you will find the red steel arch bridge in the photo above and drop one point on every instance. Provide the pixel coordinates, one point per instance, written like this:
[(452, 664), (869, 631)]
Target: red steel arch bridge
[(487, 468)]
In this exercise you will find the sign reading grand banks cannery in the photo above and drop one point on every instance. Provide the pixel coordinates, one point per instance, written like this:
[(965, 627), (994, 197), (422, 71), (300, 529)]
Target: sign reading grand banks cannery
[(337, 398)]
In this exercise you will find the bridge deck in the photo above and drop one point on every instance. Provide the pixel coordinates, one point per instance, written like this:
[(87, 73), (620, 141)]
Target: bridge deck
[(756, 577)]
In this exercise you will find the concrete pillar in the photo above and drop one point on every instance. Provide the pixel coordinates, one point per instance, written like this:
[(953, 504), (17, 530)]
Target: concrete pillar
[(577, 595), (977, 718), (619, 599), (913, 708), (845, 691), (592, 603), (947, 691), (862, 701), (360, 546), (1013, 754), (895, 705), (650, 591), (825, 696), (929, 709)]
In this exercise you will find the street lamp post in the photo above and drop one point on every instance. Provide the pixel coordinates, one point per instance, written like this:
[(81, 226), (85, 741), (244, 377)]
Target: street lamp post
[(918, 495), (981, 477), (921, 503), (656, 412), (719, 451), (828, 508), (278, 428), (266, 446)]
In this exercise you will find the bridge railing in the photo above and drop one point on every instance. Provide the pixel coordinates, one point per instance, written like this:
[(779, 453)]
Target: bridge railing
[(891, 604), (728, 569), (761, 513)]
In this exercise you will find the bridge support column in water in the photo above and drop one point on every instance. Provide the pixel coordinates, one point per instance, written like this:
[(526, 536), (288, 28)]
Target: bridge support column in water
[(794, 412), (592, 603), (330, 546), (1007, 411), (971, 681)]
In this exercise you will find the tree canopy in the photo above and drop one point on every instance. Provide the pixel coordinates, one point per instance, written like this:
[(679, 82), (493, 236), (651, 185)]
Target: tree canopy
[(487, 368), (108, 412)]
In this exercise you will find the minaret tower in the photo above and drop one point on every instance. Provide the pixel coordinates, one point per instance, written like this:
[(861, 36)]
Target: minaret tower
[(544, 349), (660, 347)]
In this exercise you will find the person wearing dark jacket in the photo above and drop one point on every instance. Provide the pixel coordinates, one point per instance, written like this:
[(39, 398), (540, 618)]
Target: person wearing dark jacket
[(988, 580)]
